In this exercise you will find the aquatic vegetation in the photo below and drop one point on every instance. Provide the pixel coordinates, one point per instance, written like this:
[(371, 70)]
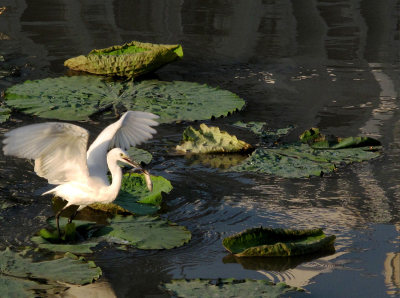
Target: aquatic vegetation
[(20, 275), (210, 140), (317, 140), (218, 160), (4, 114), (128, 60), (144, 232), (79, 97), (268, 242), (227, 288), (259, 128), (140, 155)]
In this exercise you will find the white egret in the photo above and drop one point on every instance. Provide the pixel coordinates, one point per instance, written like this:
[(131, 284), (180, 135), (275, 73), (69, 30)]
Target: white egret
[(59, 151)]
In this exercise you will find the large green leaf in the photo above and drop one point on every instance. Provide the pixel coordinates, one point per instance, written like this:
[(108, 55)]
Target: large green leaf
[(227, 288), (268, 242), (78, 97), (130, 60), (144, 232), (140, 155), (17, 270), (296, 161), (210, 140)]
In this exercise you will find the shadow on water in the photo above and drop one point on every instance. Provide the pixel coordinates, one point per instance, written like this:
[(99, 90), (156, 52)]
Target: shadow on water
[(328, 64)]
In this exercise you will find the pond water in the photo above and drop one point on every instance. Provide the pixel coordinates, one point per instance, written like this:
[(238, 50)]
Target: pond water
[(312, 63)]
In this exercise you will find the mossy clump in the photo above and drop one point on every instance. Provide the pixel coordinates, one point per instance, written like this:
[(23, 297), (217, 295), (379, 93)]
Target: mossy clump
[(211, 140)]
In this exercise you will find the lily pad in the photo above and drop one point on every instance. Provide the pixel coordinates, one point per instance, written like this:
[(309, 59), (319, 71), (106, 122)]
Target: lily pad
[(266, 134), (211, 140), (17, 271), (140, 155), (129, 60), (79, 97), (75, 248), (268, 242), (227, 288), (297, 161), (4, 114), (317, 140), (144, 232)]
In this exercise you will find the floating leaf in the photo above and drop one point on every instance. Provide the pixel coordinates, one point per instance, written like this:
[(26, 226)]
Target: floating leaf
[(129, 60), (78, 97), (211, 140), (140, 155), (268, 242), (254, 126), (316, 140), (4, 114), (134, 190), (267, 135), (144, 232), (68, 269), (227, 288), (75, 248), (296, 161)]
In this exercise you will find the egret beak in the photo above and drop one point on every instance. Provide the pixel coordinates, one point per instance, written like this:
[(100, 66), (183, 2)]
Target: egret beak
[(138, 168)]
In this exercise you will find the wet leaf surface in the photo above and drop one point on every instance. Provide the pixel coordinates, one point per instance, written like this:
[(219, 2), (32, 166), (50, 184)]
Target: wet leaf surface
[(77, 98), (268, 242), (227, 288)]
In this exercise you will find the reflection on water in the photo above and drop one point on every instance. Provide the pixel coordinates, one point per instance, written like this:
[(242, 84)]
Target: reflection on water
[(331, 64)]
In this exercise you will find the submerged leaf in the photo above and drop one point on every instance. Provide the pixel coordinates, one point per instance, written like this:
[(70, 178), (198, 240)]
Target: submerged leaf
[(78, 97), (296, 161), (68, 269), (129, 60), (227, 288), (144, 232), (268, 242), (210, 140)]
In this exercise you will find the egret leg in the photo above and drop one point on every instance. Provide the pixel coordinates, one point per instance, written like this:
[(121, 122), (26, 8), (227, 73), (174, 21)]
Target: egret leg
[(72, 216), (58, 218)]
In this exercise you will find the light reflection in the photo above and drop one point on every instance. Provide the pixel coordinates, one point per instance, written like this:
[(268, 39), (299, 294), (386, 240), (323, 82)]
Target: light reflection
[(392, 269)]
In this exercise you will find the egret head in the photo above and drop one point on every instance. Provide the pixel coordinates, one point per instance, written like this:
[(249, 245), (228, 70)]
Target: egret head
[(117, 154)]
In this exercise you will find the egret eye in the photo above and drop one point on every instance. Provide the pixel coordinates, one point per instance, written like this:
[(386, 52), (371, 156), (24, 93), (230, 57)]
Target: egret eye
[(121, 154)]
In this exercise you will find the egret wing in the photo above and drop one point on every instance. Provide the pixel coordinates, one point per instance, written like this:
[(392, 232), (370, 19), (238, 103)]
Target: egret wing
[(132, 129), (59, 150)]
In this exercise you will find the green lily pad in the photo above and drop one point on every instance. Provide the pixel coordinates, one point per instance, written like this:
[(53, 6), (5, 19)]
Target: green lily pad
[(211, 140), (317, 140), (68, 269), (268, 242), (140, 155), (144, 232), (254, 126), (227, 288), (267, 135), (297, 161), (134, 190), (76, 248), (77, 98), (4, 114), (129, 60)]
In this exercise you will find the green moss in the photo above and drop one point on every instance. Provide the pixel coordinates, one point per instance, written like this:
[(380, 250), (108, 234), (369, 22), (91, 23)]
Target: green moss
[(211, 140), (278, 242), (129, 60)]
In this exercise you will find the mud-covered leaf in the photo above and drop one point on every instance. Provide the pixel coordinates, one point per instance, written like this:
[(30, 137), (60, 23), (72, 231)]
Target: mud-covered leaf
[(210, 140), (227, 288), (129, 60), (296, 161), (78, 97), (68, 269), (269, 242), (144, 232)]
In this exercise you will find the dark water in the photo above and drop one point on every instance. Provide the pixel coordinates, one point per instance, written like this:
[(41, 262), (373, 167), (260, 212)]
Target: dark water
[(331, 64)]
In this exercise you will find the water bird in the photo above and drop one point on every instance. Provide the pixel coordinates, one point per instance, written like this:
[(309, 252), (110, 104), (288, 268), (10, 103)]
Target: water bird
[(59, 152)]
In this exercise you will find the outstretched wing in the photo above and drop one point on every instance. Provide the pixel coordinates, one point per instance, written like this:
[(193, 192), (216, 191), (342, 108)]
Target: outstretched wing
[(132, 129), (59, 149)]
